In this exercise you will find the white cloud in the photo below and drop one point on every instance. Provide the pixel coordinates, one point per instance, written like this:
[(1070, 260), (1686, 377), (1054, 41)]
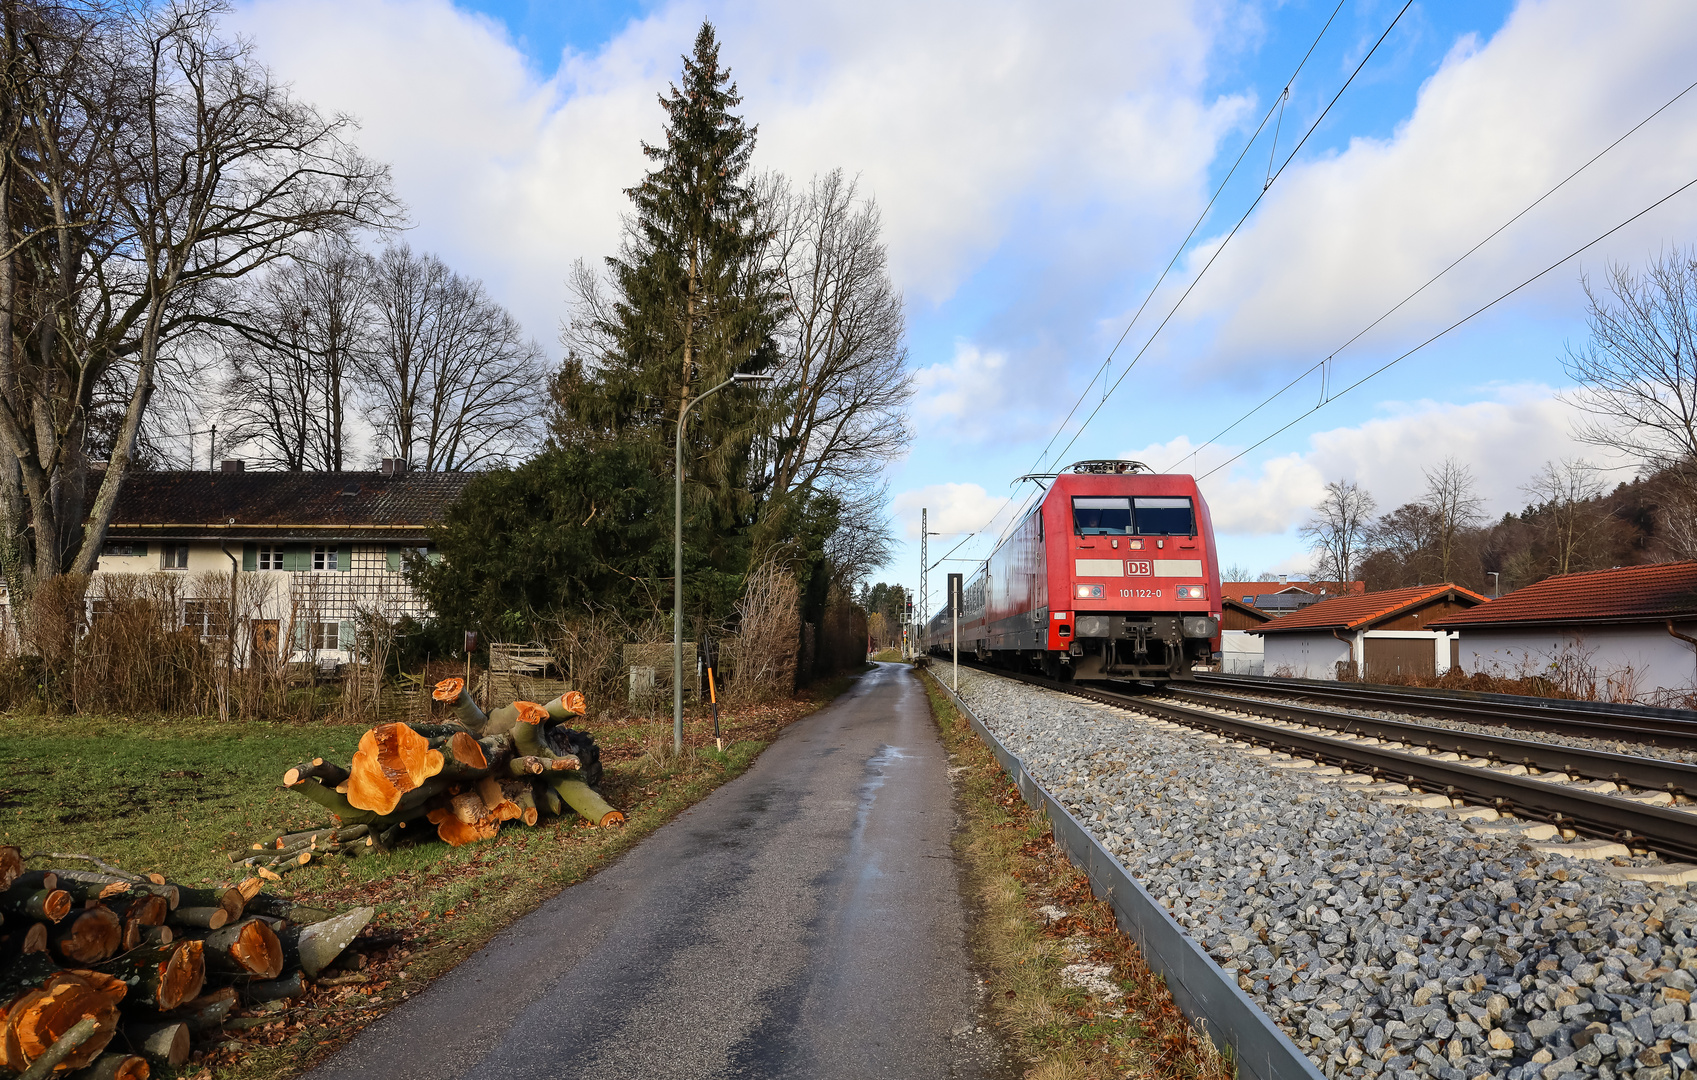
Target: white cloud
[(952, 510), (1341, 239), (954, 114), (1503, 440)]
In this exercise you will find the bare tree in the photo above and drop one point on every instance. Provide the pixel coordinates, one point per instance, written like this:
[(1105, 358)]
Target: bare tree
[(1338, 530), (1455, 506), (147, 164), (1405, 539), (1563, 493), (292, 358), (451, 380)]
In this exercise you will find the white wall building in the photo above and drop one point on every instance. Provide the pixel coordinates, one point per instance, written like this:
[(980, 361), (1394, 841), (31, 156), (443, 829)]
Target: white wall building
[(1628, 634), (1379, 634), (299, 556)]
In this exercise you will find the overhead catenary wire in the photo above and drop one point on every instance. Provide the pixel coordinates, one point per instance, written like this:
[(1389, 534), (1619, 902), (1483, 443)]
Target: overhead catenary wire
[(1306, 135), (1387, 365), (1183, 244), (1277, 106), (1324, 366)]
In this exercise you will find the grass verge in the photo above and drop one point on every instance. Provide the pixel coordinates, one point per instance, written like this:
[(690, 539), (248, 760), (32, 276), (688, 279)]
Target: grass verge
[(1065, 987), (183, 796)]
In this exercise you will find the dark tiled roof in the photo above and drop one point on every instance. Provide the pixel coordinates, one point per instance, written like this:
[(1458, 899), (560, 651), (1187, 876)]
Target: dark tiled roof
[(1355, 610), (275, 504), (1248, 609), (1628, 594)]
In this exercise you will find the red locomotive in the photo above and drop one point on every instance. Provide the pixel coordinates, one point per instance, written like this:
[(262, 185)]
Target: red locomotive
[(1112, 575)]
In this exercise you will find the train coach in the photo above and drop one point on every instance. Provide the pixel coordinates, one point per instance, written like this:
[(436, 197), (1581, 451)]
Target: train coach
[(1113, 574)]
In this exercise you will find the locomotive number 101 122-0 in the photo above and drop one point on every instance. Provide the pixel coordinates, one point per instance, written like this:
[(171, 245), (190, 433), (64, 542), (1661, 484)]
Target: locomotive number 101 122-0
[(1140, 592)]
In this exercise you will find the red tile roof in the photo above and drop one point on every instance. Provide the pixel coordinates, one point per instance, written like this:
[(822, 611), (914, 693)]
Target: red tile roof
[(1626, 594), (1240, 589), (1353, 611)]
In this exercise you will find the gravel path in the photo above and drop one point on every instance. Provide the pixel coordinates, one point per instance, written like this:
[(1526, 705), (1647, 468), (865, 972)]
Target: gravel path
[(1386, 940), (1609, 746)]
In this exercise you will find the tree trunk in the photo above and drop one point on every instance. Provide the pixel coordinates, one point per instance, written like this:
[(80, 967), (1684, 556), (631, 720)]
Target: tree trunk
[(249, 947), (206, 1012), (49, 904), (163, 1044), (313, 948), (115, 1067), (590, 806), (87, 937)]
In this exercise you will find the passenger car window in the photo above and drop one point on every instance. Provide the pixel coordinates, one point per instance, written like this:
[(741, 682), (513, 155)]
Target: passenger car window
[(1165, 517), (1101, 516)]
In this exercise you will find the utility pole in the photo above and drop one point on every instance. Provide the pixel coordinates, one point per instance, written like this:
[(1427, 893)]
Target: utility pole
[(920, 611), (954, 621)]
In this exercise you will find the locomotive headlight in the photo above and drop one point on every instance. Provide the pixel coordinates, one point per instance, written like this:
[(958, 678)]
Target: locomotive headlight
[(1193, 592), (1090, 592)]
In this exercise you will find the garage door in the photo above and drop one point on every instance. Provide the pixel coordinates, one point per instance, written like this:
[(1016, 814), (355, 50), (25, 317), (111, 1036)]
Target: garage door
[(1406, 657)]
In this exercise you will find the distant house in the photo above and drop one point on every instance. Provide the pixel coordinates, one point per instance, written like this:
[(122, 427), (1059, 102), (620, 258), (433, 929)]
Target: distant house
[(1240, 650), (1374, 634), (1629, 631), (307, 553), (1281, 597)]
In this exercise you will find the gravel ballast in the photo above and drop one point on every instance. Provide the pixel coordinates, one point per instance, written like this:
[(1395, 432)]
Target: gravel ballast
[(1386, 940)]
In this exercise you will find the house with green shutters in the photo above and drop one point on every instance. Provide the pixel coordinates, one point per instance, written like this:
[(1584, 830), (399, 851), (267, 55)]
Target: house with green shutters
[(292, 559)]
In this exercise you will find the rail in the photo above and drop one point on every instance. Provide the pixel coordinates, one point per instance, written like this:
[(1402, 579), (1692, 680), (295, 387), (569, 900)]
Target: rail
[(1659, 828), (1205, 992), (1595, 719)]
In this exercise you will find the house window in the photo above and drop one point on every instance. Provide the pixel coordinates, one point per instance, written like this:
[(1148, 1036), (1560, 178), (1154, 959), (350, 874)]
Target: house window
[(174, 557), (324, 636), (270, 557), (207, 618), (124, 547), (324, 558)]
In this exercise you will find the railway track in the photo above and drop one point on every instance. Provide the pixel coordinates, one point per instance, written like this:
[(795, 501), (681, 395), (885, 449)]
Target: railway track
[(1676, 728), (1568, 789)]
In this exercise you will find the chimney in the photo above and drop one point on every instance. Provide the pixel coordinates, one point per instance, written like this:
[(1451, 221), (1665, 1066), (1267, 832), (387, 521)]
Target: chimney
[(1281, 579), (394, 466), (232, 465)]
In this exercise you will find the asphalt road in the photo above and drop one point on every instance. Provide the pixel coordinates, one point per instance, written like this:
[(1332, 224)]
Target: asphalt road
[(803, 920)]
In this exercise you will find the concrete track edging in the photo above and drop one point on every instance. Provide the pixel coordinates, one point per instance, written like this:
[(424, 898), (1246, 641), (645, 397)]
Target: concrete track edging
[(1203, 991)]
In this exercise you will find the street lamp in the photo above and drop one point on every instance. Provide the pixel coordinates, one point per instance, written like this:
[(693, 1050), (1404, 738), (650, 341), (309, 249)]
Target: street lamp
[(678, 559)]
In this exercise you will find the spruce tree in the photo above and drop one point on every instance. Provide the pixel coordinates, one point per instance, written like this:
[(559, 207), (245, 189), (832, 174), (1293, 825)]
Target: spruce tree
[(690, 305)]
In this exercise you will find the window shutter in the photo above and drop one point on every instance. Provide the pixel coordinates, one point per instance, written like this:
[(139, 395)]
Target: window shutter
[(394, 555), (300, 635), (250, 556), (432, 555), (345, 559), (297, 557), (345, 635)]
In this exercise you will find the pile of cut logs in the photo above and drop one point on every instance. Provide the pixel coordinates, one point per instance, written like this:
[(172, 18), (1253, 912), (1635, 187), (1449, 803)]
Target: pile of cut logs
[(103, 972), (517, 763)]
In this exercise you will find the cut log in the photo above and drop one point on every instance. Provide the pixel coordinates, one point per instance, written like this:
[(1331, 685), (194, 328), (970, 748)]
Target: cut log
[(231, 900), (410, 805), (23, 941), (49, 904), (116, 1067), (206, 1012), (590, 806), (453, 693), (136, 914), (163, 1044), (249, 947), (567, 705), (525, 799), (161, 977), (158, 935), (392, 760), (527, 731), (254, 991), (281, 907), (38, 1019), (205, 918), (313, 948), (65, 1050), (86, 937), (86, 885), (467, 750), (549, 801), (249, 887), (36, 879), (317, 769), (11, 865)]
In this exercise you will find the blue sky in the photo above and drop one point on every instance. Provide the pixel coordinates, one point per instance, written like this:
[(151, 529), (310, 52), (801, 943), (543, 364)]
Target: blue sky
[(1038, 164)]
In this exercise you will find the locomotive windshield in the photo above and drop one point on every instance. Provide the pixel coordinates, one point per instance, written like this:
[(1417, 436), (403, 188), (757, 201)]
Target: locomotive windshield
[(1133, 517), (1165, 517), (1101, 517)]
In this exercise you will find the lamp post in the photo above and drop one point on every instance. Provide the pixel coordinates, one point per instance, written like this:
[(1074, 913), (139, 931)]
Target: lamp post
[(678, 558)]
